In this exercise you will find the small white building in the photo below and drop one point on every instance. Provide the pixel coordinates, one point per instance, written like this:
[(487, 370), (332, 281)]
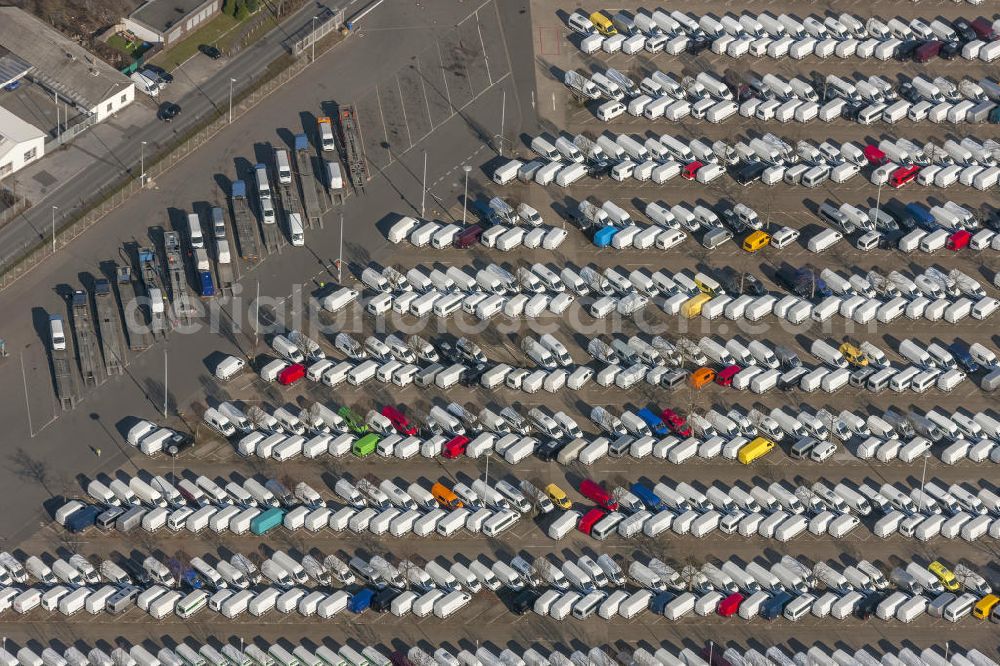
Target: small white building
[(20, 143)]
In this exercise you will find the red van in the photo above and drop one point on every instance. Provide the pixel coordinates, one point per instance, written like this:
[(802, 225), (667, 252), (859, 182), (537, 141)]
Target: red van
[(455, 447), (399, 422), (903, 175), (590, 519), (291, 374), (691, 170), (596, 493), (958, 240), (677, 423), (468, 237), (725, 376), (874, 156), (927, 50), (730, 605)]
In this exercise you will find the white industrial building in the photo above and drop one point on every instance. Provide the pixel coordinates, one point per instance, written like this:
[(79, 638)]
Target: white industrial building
[(20, 143), (64, 68)]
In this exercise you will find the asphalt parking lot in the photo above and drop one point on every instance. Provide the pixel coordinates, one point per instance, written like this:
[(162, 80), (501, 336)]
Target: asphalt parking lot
[(443, 95)]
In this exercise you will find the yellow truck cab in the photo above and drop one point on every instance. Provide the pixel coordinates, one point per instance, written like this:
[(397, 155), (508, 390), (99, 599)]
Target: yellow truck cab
[(558, 496), (853, 355), (945, 575), (603, 24)]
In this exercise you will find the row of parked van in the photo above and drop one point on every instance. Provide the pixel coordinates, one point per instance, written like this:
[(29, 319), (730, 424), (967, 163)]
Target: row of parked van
[(705, 97), (659, 158), (776, 512), (502, 236), (843, 35), (214, 653), (229, 652)]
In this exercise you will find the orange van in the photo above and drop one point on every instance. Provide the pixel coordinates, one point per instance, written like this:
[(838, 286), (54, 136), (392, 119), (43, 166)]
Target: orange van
[(701, 377), (445, 496)]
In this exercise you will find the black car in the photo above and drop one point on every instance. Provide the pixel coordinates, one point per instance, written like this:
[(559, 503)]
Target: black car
[(449, 352), (745, 283), (210, 51), (964, 30), (523, 601), (164, 75), (949, 50), (909, 93), (168, 111), (905, 50), (866, 608), (548, 451), (382, 601)]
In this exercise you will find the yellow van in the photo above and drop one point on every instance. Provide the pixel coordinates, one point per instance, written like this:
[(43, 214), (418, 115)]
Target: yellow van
[(756, 241), (984, 606), (853, 355), (944, 575), (603, 24), (691, 308), (757, 448), (558, 496)]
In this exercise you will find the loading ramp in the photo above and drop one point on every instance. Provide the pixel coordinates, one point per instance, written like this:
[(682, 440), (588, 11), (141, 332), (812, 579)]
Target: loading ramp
[(109, 328)]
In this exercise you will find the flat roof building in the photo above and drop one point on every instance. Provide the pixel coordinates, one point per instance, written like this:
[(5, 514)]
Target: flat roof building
[(63, 67), (169, 21), (20, 143)]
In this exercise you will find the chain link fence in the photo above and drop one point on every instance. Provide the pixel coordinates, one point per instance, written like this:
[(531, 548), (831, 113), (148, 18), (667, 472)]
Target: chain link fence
[(40, 249)]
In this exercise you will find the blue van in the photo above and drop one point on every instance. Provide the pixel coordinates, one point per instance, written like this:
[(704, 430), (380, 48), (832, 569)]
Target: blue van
[(921, 216), (361, 600), (647, 497), (603, 236), (775, 606), (655, 423), (963, 357)]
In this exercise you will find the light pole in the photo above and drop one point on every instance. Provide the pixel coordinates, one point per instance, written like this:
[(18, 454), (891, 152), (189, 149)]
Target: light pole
[(465, 199), (503, 111), (923, 477), (423, 187), (142, 164), (54, 208), (231, 82), (340, 253), (312, 40), (165, 391)]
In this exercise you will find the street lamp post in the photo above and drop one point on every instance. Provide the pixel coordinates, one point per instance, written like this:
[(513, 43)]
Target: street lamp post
[(923, 476), (142, 164), (54, 208), (423, 187), (465, 199), (231, 82), (312, 40)]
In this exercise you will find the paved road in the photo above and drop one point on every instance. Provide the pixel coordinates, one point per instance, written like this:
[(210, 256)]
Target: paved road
[(211, 95), (35, 468)]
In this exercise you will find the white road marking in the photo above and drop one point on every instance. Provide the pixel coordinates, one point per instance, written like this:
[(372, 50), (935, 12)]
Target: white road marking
[(402, 108), (444, 75), (385, 130), (486, 59), (427, 103)]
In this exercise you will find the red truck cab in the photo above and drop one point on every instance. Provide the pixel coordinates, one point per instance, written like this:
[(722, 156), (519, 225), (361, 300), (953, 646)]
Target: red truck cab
[(596, 493), (677, 424), (958, 240), (725, 376), (291, 374), (874, 156), (455, 446), (589, 519), (399, 422)]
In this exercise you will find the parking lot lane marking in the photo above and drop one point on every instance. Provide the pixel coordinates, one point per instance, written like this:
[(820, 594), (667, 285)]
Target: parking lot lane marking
[(444, 74), (385, 130), (486, 59), (402, 109), (427, 102)]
